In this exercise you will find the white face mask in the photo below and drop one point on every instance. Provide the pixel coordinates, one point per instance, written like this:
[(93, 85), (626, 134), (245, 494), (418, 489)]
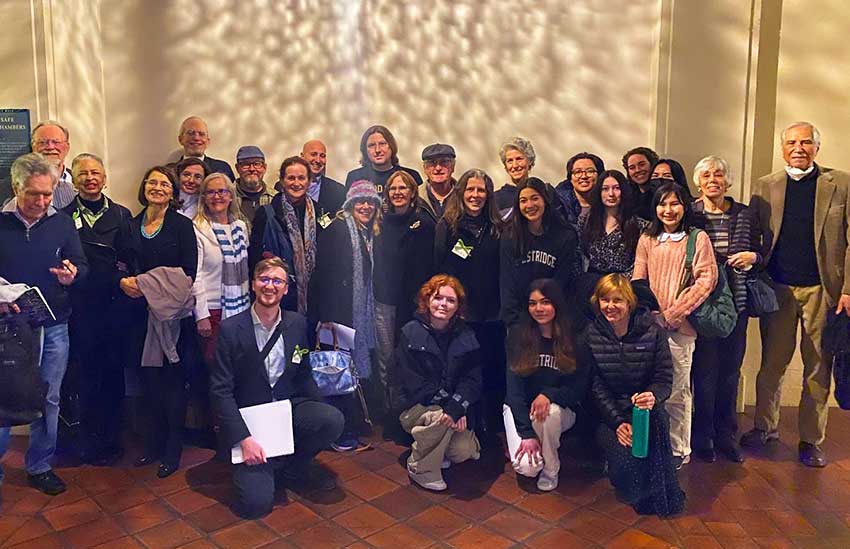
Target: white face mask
[(797, 174)]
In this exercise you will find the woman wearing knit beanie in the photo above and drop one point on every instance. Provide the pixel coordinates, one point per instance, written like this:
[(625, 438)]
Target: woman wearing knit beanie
[(341, 290)]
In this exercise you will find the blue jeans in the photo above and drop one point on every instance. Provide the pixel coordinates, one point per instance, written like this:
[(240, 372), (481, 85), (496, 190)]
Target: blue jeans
[(54, 362)]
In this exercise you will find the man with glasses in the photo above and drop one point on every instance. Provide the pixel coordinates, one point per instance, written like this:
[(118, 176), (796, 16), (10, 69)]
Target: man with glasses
[(250, 187), (41, 248), (194, 138), (325, 192), (378, 159), (262, 357), (438, 163), (52, 140)]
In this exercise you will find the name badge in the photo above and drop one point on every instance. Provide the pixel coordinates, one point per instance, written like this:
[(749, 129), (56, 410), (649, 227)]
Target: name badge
[(324, 221), (462, 250), (298, 353), (78, 223)]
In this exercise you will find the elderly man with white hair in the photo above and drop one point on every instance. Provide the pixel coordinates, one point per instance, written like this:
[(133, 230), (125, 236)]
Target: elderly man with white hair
[(803, 212), (53, 141), (41, 248)]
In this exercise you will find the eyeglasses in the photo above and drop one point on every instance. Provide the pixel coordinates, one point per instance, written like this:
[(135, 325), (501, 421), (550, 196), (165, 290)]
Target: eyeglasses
[(377, 144), (196, 133), (155, 183), (590, 172), (276, 282), (217, 192), (256, 164), (50, 142), (195, 176), (444, 162)]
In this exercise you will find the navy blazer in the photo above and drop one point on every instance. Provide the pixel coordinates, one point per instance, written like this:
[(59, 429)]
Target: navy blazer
[(239, 377)]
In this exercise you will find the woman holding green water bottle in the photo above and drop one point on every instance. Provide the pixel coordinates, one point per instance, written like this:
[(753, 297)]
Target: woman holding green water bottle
[(633, 370)]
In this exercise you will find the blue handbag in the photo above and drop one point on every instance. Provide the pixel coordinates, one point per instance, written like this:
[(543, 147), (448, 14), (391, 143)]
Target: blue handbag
[(333, 370)]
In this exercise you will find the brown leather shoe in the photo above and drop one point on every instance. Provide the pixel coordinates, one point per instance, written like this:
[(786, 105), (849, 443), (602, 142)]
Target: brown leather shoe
[(811, 455)]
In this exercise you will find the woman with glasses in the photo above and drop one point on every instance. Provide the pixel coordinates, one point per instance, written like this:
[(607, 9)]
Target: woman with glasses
[(288, 228), (160, 237), (575, 191), (190, 172)]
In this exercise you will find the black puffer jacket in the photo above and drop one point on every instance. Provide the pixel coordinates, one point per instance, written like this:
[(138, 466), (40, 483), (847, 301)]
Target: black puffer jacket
[(428, 375), (638, 362)]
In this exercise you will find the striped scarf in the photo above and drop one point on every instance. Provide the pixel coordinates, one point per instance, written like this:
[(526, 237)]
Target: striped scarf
[(234, 269)]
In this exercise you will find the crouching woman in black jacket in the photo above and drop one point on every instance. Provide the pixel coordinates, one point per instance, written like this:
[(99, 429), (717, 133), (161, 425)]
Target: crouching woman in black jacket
[(544, 384), (633, 367), (438, 363)]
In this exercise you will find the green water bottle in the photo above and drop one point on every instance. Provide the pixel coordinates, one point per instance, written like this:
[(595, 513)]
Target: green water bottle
[(640, 432)]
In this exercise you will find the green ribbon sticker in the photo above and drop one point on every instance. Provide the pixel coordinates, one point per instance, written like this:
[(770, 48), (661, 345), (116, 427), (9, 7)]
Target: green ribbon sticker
[(462, 250), (298, 354)]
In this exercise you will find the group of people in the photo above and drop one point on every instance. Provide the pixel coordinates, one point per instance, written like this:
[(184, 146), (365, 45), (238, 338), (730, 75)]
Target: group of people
[(481, 317)]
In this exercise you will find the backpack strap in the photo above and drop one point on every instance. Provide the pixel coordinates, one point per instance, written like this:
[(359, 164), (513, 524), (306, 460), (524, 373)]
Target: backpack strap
[(691, 249)]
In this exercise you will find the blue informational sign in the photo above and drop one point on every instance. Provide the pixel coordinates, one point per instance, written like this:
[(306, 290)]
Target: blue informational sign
[(14, 141)]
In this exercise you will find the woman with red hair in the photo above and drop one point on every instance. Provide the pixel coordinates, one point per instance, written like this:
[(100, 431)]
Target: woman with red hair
[(438, 365)]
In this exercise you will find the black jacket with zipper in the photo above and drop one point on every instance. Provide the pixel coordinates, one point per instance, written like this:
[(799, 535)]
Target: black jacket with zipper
[(639, 361), (428, 376)]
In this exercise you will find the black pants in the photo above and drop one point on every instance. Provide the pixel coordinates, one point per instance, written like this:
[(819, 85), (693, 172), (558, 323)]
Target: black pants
[(97, 365), (491, 338), (165, 399), (716, 369), (315, 425)]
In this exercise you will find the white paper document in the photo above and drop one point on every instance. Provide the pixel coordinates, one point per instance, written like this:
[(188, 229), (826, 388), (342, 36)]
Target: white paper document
[(271, 426), (344, 336)]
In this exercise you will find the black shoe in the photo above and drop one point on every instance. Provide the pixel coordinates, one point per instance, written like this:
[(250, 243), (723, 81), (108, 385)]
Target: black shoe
[(811, 455), (166, 470), (756, 438), (143, 460), (731, 451), (313, 479), (48, 482), (707, 455), (680, 461)]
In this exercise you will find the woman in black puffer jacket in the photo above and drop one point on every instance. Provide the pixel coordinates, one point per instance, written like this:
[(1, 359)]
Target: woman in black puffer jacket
[(633, 367)]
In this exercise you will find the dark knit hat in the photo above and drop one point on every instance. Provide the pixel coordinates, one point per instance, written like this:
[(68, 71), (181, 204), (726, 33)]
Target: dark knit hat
[(359, 191)]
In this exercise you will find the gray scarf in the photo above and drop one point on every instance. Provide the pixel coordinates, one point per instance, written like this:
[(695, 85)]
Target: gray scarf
[(363, 303)]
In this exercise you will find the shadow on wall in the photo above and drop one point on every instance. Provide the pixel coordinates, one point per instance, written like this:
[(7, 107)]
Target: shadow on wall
[(569, 76)]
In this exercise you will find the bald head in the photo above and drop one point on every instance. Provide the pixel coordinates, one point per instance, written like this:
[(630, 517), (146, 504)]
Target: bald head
[(316, 154), (194, 136)]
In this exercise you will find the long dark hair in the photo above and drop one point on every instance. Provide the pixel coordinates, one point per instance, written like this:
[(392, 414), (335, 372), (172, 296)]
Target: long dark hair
[(455, 208), (525, 349), (671, 187), (594, 227), (387, 134), (519, 224)]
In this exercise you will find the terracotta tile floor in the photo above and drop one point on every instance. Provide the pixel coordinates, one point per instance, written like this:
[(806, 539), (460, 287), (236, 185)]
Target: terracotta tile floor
[(771, 501)]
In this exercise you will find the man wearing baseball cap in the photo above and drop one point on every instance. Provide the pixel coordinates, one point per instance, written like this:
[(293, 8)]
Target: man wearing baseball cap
[(438, 163), (252, 190)]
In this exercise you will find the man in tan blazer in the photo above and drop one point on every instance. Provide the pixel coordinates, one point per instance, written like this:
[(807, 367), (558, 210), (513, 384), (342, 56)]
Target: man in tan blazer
[(803, 214)]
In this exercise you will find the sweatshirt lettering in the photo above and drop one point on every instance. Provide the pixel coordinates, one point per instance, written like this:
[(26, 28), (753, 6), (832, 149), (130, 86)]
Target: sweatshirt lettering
[(539, 256)]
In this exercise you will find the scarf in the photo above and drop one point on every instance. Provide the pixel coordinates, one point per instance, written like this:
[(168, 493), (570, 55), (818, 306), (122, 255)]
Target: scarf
[(303, 249), (234, 269), (86, 214), (363, 301)]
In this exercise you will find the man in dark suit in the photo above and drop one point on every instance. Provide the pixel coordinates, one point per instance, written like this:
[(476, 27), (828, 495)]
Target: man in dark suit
[(241, 378), (324, 191), (194, 138), (803, 213)]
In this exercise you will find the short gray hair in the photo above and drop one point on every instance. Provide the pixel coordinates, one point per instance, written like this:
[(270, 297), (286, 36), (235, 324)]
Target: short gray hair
[(802, 124), (30, 165), (518, 144), (50, 123), (86, 156), (710, 162)]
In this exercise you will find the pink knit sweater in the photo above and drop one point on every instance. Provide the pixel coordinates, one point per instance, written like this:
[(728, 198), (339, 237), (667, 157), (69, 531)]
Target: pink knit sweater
[(662, 264)]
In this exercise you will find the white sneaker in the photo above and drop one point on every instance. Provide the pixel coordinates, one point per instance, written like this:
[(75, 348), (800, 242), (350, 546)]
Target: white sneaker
[(545, 483), (433, 485), (446, 464)]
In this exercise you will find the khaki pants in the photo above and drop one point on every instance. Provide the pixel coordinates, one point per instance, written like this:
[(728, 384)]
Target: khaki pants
[(432, 442), (548, 433), (806, 306), (680, 405)]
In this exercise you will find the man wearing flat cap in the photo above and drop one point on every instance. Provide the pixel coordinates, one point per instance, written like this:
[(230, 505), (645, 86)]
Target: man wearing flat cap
[(438, 163), (251, 188)]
